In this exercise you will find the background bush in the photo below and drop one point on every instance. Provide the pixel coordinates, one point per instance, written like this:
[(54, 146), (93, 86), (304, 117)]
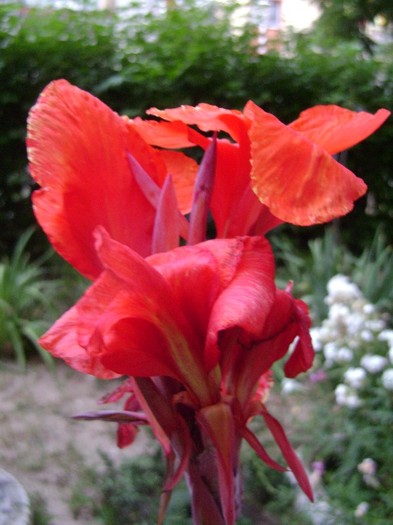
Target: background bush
[(134, 61)]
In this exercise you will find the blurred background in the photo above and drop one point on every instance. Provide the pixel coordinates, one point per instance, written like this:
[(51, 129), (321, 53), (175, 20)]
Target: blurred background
[(285, 55)]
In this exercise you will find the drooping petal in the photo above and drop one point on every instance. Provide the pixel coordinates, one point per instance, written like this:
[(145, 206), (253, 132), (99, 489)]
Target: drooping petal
[(302, 356), (77, 150), (62, 341), (288, 319), (335, 129), (247, 299), (297, 179), (289, 454), (257, 446)]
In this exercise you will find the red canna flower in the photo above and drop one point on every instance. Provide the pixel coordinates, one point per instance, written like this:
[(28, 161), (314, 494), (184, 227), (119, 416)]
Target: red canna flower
[(195, 329), (209, 322), (289, 168)]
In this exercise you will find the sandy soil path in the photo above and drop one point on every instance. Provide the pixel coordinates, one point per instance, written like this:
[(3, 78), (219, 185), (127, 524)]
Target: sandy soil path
[(39, 442)]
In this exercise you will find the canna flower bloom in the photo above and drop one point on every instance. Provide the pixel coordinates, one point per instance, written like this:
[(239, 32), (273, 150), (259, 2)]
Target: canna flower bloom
[(209, 322), (195, 329), (271, 172)]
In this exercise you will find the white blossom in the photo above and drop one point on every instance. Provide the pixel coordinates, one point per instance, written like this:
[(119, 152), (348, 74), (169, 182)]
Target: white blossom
[(330, 351), (345, 396), (355, 377), (390, 354), (340, 288), (386, 335), (361, 510), (290, 385), (344, 355), (368, 309), (387, 379), (375, 325), (373, 363), (366, 335)]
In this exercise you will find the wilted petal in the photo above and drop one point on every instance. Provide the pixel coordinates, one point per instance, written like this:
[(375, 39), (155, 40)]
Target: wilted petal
[(335, 129)]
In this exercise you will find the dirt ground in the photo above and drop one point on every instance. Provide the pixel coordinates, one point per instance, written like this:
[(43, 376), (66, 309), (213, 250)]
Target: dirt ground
[(40, 445)]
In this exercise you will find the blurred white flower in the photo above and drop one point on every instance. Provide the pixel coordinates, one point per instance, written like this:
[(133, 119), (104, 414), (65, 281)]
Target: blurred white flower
[(368, 309), (354, 323), (375, 325), (386, 335), (390, 354), (373, 363), (316, 339), (366, 335), (344, 355), (345, 396), (341, 289), (361, 510), (355, 377), (387, 379), (290, 385), (330, 351), (338, 312), (368, 466)]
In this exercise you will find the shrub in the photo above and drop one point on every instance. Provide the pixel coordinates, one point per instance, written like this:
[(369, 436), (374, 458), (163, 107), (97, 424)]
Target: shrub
[(25, 295)]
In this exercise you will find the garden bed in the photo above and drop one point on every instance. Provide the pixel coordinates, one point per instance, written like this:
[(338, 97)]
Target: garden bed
[(42, 446)]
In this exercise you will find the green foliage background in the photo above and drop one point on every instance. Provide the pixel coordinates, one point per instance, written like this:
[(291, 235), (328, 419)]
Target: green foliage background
[(134, 61)]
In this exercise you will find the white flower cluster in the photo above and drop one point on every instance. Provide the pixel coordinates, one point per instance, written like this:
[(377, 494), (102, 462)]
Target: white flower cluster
[(350, 336)]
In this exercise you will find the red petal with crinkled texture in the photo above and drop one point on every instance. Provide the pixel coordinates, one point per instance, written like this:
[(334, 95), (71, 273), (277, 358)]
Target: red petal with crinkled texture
[(163, 134), (77, 149), (335, 129), (297, 179), (62, 341), (206, 116), (247, 299)]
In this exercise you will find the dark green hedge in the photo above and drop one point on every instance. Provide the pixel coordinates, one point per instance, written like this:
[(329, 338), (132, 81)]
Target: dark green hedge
[(184, 56)]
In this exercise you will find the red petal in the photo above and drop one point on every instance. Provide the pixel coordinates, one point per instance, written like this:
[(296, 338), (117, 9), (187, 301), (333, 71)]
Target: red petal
[(77, 150), (246, 301), (289, 454), (166, 228), (302, 356), (206, 116), (62, 341), (259, 449), (202, 195), (335, 129), (298, 181), (163, 134), (183, 171)]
